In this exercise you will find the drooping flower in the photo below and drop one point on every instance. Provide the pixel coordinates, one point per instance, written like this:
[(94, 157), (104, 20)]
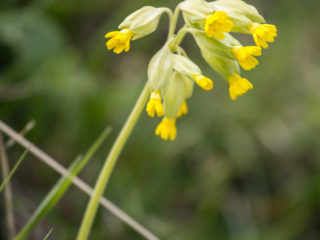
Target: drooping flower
[(238, 86), (240, 13), (167, 129), (154, 105), (204, 82), (244, 55), (263, 33), (216, 24), (120, 40), (183, 109)]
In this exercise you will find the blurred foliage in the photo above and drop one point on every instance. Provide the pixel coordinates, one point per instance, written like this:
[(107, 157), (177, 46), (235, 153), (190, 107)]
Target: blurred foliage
[(245, 169)]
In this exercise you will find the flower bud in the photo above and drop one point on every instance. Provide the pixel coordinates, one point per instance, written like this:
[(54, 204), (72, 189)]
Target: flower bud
[(143, 21), (225, 67), (185, 66), (179, 88), (160, 70), (203, 82), (218, 47)]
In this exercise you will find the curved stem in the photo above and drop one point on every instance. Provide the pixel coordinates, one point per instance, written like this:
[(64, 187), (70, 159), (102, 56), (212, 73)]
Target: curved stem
[(181, 51), (109, 164), (178, 39), (173, 22), (170, 15)]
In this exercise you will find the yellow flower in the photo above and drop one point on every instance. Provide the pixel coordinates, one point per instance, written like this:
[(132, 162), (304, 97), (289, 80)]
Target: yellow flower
[(120, 40), (154, 105), (216, 24), (244, 55), (183, 109), (167, 129), (238, 86), (263, 33), (204, 82)]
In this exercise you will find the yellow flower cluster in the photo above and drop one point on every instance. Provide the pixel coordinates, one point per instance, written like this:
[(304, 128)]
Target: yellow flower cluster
[(171, 74)]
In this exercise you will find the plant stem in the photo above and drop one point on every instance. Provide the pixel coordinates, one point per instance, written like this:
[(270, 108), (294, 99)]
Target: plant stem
[(109, 164), (173, 22), (7, 190), (178, 39)]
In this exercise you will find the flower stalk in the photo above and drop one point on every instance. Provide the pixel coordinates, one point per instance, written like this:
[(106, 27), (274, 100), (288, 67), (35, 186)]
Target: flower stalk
[(110, 162), (173, 22)]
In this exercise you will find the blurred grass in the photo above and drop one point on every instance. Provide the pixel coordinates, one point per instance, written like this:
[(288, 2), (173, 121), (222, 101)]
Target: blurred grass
[(247, 169), (59, 189), (12, 171)]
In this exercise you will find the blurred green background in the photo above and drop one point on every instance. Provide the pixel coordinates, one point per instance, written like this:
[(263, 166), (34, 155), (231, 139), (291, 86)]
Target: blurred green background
[(245, 169)]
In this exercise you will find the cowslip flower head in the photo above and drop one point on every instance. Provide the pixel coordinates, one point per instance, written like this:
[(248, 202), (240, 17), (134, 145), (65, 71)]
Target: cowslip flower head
[(154, 105), (172, 74), (167, 129), (183, 109), (203, 82), (263, 33), (244, 55), (120, 40), (216, 24), (238, 86)]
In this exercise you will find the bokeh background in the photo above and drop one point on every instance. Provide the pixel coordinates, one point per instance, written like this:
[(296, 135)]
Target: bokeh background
[(245, 169)]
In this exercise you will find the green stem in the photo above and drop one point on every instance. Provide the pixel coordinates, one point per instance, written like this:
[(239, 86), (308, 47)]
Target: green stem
[(173, 22), (178, 39), (109, 164)]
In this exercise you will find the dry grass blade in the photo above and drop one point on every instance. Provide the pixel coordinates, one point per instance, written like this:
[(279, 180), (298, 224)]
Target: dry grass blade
[(7, 190)]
